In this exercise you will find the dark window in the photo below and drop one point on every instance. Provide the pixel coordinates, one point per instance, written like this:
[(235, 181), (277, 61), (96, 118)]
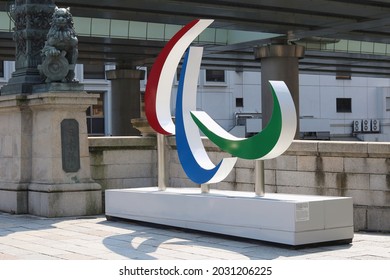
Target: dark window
[(239, 102), (343, 105), (343, 76), (215, 76), (178, 72), (94, 71), (1, 68), (95, 117)]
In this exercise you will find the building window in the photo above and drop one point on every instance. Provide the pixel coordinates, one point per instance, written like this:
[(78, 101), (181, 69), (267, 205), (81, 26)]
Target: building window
[(343, 105), (239, 102), (1, 68), (343, 76), (95, 117), (94, 71), (177, 77), (178, 72), (215, 76)]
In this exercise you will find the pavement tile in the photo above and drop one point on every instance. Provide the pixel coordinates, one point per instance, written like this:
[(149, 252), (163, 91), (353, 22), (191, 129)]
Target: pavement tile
[(189, 256), (369, 257), (74, 256), (37, 256), (111, 256), (33, 238)]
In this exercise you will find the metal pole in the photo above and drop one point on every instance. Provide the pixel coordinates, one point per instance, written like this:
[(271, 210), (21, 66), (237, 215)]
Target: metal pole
[(205, 188), (259, 178), (161, 177)]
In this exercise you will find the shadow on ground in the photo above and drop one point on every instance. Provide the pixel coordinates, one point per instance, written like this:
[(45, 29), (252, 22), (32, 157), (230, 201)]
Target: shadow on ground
[(147, 241)]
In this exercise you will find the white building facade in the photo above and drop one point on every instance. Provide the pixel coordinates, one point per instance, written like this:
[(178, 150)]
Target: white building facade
[(357, 108)]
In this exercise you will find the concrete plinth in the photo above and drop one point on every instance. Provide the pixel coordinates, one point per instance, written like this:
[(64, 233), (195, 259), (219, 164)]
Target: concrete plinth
[(281, 218), (44, 155)]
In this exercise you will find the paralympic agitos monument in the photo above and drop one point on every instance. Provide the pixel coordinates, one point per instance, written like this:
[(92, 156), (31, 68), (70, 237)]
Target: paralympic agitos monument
[(281, 218)]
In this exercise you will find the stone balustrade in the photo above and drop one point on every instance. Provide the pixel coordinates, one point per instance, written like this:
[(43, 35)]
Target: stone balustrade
[(360, 170)]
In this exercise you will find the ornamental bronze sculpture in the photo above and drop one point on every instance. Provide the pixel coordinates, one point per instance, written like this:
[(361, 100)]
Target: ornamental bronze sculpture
[(31, 24), (61, 49)]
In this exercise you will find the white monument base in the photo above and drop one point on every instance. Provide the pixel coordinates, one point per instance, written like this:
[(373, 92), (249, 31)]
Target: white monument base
[(281, 218)]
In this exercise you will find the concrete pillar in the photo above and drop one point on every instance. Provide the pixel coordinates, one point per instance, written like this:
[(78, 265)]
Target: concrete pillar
[(279, 62), (125, 100)]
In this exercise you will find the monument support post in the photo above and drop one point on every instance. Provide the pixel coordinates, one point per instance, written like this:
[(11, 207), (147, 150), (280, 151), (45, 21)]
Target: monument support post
[(205, 188), (259, 178), (162, 176)]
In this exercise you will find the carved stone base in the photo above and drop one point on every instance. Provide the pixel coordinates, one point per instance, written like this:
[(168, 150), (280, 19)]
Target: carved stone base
[(58, 87), (63, 200), (13, 198), (15, 153), (61, 182), (44, 155), (22, 82)]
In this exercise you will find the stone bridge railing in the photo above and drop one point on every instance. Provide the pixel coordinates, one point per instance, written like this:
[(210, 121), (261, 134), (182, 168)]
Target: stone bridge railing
[(360, 170)]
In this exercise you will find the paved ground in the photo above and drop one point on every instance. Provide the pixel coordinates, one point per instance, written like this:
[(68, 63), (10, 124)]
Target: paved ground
[(27, 238)]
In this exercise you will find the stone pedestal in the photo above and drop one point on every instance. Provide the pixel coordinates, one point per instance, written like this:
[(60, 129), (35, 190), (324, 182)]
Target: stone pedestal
[(126, 100), (279, 62), (45, 155), (15, 153)]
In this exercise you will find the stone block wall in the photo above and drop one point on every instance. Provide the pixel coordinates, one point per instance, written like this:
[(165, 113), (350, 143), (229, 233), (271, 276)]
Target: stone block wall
[(360, 170), (123, 162)]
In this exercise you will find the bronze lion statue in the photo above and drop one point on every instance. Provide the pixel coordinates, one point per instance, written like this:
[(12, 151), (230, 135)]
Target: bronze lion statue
[(61, 48)]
